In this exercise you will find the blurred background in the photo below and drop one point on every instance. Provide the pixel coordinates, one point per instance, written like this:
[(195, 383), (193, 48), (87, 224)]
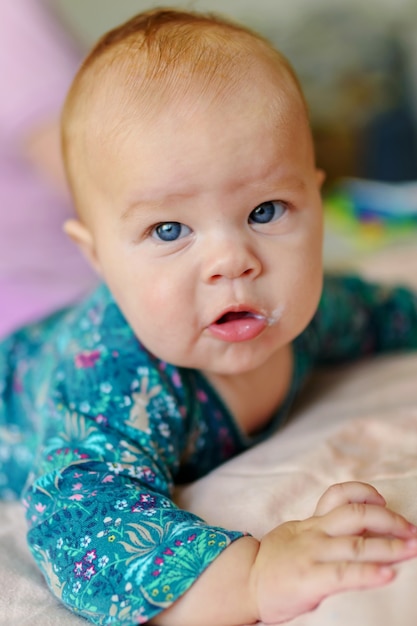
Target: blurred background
[(357, 63)]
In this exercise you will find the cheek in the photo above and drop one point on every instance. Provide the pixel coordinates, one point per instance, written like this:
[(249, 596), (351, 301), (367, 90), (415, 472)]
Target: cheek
[(153, 301), (150, 294), (302, 278), (310, 246), (159, 313), (311, 274)]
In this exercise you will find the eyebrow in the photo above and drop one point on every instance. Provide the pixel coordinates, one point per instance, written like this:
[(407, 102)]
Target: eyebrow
[(136, 205), (132, 208), (289, 182), (292, 183), (151, 204)]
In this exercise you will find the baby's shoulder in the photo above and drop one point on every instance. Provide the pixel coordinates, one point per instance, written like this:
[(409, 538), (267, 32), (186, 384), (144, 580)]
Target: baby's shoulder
[(101, 367)]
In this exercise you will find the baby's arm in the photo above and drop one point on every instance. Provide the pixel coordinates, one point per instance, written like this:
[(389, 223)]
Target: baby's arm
[(113, 548), (357, 318), (350, 543)]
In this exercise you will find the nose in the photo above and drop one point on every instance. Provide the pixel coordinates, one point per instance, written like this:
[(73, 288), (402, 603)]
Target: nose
[(231, 259)]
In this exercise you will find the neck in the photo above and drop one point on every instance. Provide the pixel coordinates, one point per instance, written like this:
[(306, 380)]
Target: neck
[(253, 397)]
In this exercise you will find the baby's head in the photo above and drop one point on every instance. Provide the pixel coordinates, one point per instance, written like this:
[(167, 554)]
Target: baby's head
[(161, 60), (190, 158)]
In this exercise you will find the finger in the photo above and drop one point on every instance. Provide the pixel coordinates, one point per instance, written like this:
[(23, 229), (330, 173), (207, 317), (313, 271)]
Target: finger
[(347, 575), (368, 549), (358, 518), (344, 493)]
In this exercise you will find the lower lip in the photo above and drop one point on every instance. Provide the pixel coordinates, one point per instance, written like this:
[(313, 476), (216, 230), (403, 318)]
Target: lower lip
[(235, 331)]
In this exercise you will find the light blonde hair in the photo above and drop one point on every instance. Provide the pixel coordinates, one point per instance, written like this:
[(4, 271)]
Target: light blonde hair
[(159, 56)]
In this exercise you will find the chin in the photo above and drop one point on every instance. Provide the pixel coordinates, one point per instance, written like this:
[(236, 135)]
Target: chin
[(238, 364)]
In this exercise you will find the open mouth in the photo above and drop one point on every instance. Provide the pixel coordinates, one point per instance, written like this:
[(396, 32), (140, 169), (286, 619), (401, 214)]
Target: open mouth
[(233, 316), (237, 326)]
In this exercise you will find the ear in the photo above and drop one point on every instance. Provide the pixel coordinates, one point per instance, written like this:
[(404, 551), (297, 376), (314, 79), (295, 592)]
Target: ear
[(321, 177), (82, 237)]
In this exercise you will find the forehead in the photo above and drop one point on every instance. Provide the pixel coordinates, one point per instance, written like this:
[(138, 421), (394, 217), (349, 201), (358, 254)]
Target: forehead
[(260, 97), (119, 102), (217, 148), (207, 67), (121, 97)]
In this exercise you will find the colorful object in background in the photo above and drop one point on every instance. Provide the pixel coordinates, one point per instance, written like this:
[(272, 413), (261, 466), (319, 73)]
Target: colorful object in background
[(372, 214)]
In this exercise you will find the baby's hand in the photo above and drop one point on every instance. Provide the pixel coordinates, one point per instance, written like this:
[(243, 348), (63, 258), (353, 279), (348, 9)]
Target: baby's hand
[(350, 543), (347, 493)]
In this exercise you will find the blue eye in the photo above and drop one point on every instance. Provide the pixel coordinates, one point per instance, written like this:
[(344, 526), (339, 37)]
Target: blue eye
[(170, 231), (267, 212)]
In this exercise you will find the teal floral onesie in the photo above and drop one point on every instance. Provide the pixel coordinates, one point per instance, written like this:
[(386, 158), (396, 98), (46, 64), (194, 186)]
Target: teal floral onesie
[(95, 432)]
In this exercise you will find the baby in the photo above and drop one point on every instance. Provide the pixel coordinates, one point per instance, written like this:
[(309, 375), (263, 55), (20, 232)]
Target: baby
[(190, 159)]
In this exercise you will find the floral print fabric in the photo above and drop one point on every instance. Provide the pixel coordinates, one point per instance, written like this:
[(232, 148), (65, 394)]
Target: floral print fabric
[(95, 432)]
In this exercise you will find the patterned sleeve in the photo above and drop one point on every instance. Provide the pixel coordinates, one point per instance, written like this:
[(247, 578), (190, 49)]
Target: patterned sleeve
[(104, 529), (356, 318)]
